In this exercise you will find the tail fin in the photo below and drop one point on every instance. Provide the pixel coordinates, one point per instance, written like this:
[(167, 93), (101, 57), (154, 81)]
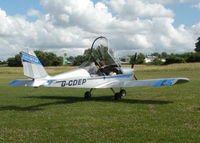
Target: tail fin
[(32, 66)]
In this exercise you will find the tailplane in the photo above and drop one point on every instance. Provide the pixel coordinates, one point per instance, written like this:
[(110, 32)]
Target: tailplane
[(32, 66)]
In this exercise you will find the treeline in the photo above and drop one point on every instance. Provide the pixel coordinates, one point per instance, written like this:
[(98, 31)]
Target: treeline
[(164, 58), (3, 62), (172, 58), (51, 59), (159, 58), (46, 58)]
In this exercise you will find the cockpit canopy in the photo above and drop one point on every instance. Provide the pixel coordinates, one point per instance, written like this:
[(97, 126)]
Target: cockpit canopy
[(100, 53)]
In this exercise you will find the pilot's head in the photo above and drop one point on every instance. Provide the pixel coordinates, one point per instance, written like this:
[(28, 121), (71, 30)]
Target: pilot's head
[(102, 63)]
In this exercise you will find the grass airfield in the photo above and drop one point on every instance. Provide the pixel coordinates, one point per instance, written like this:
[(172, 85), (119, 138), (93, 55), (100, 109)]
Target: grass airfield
[(61, 115)]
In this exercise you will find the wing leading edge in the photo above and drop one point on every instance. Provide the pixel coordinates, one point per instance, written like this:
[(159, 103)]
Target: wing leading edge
[(151, 82)]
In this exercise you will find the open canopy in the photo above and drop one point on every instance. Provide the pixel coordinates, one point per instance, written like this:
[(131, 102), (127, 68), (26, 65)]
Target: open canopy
[(100, 52)]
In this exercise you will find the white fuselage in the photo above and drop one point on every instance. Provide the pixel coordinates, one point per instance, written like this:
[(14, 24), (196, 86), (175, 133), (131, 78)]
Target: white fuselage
[(80, 78)]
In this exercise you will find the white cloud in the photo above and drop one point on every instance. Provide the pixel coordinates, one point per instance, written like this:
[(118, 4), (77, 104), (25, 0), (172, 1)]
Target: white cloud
[(197, 5), (81, 13), (33, 12), (130, 9), (142, 26), (185, 1)]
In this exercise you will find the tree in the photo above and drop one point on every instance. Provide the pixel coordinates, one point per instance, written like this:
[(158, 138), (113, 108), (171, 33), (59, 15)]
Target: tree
[(156, 55), (157, 61), (140, 59), (194, 57), (79, 60), (102, 53), (174, 59), (46, 58), (197, 49), (57, 61), (49, 58), (3, 62), (163, 55), (15, 61)]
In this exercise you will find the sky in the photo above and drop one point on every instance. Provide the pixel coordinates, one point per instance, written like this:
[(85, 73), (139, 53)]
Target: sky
[(131, 26)]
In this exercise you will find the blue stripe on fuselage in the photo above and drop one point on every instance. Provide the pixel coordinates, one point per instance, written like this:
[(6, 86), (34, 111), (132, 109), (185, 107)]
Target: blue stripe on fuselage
[(109, 77)]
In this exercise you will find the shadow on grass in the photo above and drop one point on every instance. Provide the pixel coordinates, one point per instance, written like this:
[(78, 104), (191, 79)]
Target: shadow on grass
[(70, 100)]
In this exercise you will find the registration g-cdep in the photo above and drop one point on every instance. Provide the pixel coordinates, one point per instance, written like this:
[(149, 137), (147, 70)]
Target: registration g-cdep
[(73, 82)]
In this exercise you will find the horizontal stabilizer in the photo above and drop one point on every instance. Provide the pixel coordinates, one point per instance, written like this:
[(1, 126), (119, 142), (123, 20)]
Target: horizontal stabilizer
[(21, 82)]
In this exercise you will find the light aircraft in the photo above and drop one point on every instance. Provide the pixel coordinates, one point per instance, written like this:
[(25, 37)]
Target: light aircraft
[(89, 75)]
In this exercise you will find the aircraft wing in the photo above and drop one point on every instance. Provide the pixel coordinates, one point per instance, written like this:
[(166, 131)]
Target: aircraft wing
[(140, 83), (95, 84)]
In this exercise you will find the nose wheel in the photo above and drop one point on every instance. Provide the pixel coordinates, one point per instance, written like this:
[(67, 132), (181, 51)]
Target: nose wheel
[(88, 94)]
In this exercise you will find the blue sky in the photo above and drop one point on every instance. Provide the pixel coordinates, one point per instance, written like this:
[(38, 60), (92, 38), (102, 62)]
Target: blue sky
[(133, 26), (184, 12), (20, 6)]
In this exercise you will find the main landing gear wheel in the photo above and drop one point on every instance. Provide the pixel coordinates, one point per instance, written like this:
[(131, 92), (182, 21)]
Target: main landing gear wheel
[(87, 95), (123, 92), (118, 96)]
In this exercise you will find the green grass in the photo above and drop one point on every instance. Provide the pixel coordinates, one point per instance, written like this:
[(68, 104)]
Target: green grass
[(60, 115)]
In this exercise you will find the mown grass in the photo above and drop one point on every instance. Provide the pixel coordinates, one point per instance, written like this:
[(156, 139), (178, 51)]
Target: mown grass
[(146, 114)]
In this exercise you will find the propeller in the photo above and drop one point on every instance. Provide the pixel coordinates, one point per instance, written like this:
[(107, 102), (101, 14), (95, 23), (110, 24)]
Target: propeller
[(133, 60)]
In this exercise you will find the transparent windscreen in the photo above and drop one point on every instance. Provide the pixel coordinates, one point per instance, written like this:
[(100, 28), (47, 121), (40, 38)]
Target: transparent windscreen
[(101, 52)]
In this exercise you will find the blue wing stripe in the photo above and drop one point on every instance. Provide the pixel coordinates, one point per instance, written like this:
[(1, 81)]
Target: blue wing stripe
[(164, 82)]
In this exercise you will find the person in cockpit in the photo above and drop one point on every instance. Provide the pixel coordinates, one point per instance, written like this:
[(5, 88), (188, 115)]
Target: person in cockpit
[(105, 70)]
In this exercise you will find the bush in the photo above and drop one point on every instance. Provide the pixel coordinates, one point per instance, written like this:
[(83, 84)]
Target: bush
[(174, 59), (3, 62), (157, 61), (15, 62), (194, 57), (79, 60)]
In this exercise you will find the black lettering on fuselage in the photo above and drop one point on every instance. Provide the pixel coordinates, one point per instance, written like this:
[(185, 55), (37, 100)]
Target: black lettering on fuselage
[(70, 83), (84, 81), (79, 81), (73, 82), (63, 83)]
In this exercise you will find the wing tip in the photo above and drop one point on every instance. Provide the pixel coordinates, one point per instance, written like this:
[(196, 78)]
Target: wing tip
[(182, 80), (12, 83)]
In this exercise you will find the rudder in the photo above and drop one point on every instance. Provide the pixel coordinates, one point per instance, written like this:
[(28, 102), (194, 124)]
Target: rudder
[(32, 66)]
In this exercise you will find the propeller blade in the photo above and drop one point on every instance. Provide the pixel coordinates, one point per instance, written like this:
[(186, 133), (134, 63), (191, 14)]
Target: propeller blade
[(133, 64), (133, 61)]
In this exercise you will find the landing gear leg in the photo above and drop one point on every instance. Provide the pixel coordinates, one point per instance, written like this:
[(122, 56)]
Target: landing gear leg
[(88, 94)]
